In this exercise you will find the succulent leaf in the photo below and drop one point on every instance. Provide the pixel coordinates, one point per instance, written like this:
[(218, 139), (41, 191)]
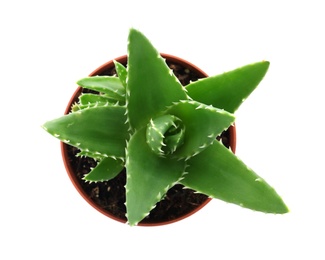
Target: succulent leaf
[(99, 130), (202, 125), (149, 177), (95, 156), (111, 86), (218, 173), (91, 100), (151, 86), (106, 169), (230, 89), (121, 72)]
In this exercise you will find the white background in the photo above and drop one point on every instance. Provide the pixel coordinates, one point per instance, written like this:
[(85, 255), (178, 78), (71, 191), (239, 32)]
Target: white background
[(46, 46)]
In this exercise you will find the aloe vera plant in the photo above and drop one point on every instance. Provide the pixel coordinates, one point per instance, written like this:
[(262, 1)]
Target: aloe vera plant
[(163, 133)]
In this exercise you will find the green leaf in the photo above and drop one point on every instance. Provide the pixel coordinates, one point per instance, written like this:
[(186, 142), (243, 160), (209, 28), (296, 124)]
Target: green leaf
[(218, 173), (202, 125), (230, 89), (106, 169), (100, 130), (88, 100), (149, 177), (95, 156), (111, 86), (121, 72), (151, 84)]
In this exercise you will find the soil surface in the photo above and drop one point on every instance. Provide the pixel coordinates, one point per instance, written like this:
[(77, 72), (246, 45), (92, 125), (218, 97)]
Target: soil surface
[(110, 195)]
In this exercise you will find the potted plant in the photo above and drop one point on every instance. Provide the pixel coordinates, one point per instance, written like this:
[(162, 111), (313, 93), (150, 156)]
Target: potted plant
[(145, 123)]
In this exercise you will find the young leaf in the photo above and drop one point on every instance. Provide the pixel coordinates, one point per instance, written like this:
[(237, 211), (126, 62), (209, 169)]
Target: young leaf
[(121, 72), (164, 134), (106, 169), (111, 86), (149, 177), (100, 130), (218, 173), (230, 89), (151, 86), (87, 99)]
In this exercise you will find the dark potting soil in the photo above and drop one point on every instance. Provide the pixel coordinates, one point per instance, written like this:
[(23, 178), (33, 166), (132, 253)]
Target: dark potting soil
[(110, 195)]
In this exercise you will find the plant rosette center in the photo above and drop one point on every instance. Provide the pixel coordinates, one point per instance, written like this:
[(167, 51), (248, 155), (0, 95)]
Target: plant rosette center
[(165, 134)]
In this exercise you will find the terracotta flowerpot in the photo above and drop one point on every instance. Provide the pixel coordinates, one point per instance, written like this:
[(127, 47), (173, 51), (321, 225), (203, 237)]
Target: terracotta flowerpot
[(108, 197)]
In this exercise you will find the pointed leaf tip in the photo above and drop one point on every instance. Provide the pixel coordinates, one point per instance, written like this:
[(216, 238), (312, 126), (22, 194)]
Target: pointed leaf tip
[(230, 89), (226, 177), (148, 177), (151, 86)]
